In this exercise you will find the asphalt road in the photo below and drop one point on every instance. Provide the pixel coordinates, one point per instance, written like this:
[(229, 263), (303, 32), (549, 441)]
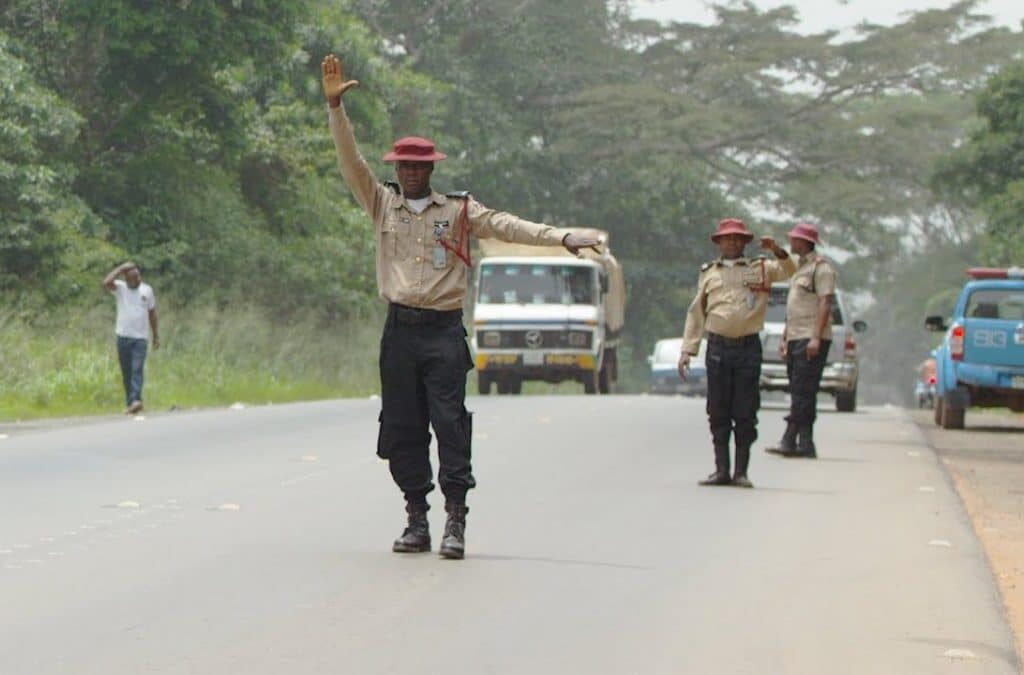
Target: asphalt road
[(258, 541)]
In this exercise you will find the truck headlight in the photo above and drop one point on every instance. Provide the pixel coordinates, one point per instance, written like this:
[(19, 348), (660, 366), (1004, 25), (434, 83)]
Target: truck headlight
[(491, 338), (578, 338)]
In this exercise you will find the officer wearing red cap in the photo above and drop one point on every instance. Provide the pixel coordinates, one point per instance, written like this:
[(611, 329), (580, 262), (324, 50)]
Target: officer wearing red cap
[(422, 242), (806, 340), (730, 304)]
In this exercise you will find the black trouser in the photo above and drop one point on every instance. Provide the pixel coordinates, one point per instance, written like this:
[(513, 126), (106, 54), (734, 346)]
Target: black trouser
[(424, 359), (804, 381), (734, 372)]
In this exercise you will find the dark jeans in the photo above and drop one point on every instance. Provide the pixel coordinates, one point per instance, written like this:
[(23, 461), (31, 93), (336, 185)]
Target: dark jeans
[(424, 359), (733, 372), (804, 381), (131, 353)]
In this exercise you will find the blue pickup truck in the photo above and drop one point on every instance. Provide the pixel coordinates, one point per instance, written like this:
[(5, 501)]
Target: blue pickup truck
[(980, 362)]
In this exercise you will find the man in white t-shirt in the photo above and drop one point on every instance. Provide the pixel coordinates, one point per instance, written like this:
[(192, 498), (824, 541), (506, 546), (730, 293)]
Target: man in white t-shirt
[(136, 321)]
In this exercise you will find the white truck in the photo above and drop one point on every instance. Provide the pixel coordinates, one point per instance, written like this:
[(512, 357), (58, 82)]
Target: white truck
[(541, 313)]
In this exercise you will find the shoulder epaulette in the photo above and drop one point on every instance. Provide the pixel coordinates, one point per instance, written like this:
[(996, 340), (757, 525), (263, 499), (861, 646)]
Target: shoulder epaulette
[(706, 266), (458, 194), (393, 186)]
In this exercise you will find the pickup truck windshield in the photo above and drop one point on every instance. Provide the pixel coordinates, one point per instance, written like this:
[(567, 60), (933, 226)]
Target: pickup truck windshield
[(536, 284), (996, 303), (777, 307)]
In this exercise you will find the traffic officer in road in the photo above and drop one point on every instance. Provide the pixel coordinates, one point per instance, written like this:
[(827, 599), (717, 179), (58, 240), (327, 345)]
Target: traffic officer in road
[(422, 241), (806, 340), (732, 295)]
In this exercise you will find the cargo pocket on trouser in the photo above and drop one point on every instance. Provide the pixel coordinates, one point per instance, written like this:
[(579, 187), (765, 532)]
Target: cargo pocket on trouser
[(384, 440)]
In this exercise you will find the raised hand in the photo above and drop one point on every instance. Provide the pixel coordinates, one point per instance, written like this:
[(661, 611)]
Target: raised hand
[(332, 77)]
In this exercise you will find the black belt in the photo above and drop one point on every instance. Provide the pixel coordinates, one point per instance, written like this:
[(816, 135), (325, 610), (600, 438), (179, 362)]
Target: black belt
[(733, 342), (417, 316)]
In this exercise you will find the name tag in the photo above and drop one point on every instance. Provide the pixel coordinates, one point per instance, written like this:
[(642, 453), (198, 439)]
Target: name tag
[(440, 257)]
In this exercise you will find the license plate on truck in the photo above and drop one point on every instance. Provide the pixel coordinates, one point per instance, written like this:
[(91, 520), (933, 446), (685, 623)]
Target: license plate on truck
[(537, 359), (1017, 381)]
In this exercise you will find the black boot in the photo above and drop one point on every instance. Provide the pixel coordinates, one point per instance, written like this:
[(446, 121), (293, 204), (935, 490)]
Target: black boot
[(805, 443), (740, 479), (454, 543), (416, 537), (787, 445), (721, 474)]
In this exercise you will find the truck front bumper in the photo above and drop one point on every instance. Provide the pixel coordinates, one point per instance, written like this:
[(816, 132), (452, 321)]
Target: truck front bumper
[(837, 376)]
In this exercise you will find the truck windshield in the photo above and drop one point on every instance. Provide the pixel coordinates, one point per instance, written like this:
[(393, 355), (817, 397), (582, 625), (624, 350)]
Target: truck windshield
[(536, 284), (996, 303), (776, 312)]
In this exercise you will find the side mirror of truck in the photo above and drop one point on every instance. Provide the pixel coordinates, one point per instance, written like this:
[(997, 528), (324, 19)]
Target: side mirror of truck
[(936, 324), (859, 326), (604, 283)]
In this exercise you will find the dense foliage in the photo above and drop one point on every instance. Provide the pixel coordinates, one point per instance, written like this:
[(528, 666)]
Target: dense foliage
[(191, 137)]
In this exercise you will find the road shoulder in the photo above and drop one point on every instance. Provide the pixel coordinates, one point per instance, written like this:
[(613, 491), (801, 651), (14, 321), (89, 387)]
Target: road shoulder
[(986, 464)]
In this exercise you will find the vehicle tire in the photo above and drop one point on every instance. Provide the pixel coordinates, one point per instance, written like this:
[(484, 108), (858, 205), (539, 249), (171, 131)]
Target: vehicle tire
[(483, 383), (952, 418), (846, 401), (515, 386), (503, 385), (591, 382), (938, 411)]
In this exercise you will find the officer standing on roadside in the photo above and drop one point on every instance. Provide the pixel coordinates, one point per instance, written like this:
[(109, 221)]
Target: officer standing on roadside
[(806, 340), (422, 240), (732, 296)]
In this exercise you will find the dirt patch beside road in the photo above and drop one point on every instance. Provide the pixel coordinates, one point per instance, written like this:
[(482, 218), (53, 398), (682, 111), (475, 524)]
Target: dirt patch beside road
[(986, 461)]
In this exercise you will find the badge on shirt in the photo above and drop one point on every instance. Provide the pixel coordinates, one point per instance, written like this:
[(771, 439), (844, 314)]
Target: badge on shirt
[(440, 257)]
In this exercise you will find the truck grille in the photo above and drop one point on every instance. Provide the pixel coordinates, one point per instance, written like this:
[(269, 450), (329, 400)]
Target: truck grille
[(534, 339)]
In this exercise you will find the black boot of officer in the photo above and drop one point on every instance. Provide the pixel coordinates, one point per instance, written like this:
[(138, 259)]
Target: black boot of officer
[(416, 537), (739, 479), (805, 443), (453, 545), (721, 474), (787, 445)]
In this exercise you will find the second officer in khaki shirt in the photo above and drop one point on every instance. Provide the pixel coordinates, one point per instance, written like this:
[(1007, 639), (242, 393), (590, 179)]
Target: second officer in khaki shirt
[(806, 340), (732, 296), (422, 242)]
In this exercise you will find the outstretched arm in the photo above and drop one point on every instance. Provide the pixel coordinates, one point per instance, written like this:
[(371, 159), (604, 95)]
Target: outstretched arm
[(354, 169)]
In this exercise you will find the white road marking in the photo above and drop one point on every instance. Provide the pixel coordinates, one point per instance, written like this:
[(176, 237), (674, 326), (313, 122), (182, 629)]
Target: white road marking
[(229, 507), (913, 453), (943, 543), (310, 458), (960, 654), (926, 488), (128, 504)]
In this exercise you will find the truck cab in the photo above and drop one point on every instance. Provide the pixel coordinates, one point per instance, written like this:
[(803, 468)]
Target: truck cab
[(980, 362), (539, 318)]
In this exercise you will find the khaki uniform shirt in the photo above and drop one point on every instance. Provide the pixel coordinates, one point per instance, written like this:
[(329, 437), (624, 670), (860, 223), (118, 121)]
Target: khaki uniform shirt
[(731, 300), (409, 270), (814, 278)]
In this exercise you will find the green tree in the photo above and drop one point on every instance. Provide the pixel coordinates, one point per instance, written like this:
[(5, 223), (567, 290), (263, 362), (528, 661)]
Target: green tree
[(988, 171)]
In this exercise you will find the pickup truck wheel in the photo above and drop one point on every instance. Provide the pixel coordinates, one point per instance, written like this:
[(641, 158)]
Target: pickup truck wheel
[(515, 386), (937, 413), (591, 382), (952, 418), (846, 401), (483, 383)]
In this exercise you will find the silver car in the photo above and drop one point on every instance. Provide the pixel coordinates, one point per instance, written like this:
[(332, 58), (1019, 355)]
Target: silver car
[(665, 369), (841, 369)]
